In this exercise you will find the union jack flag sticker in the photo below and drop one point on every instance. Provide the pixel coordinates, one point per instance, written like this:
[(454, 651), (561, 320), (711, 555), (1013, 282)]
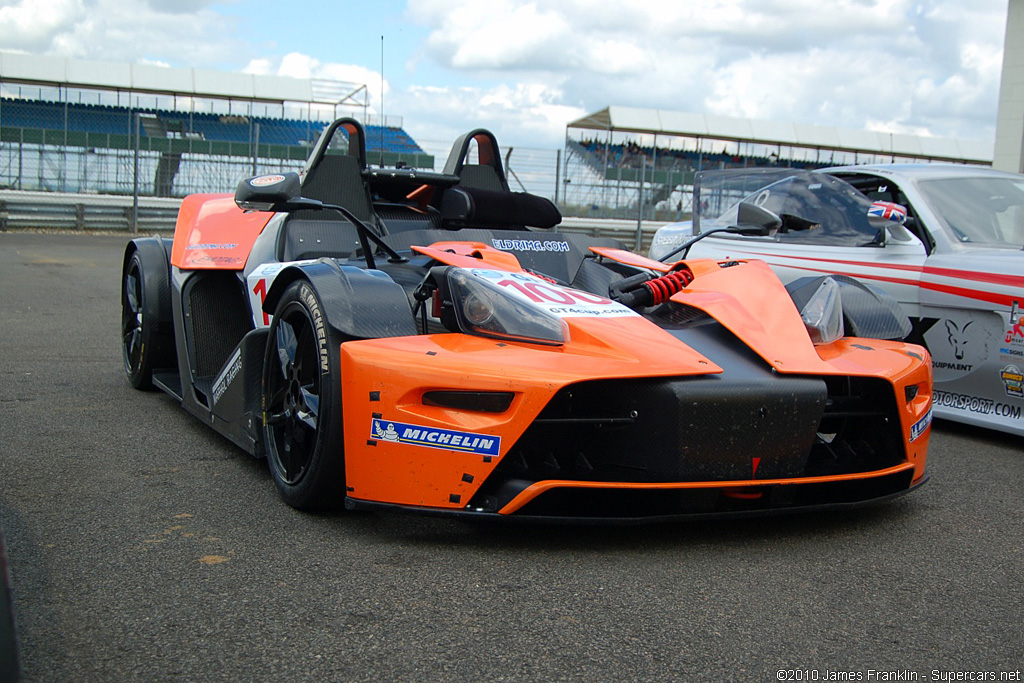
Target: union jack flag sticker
[(889, 211)]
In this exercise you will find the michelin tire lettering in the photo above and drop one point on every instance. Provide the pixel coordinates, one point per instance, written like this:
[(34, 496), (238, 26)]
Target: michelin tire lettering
[(307, 296)]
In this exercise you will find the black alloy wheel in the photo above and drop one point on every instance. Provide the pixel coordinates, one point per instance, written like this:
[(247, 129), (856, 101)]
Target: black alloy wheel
[(302, 403), (144, 345)]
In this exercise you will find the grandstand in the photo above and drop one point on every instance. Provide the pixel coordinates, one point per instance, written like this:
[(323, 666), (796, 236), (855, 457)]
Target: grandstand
[(73, 126), (129, 129), (621, 161)]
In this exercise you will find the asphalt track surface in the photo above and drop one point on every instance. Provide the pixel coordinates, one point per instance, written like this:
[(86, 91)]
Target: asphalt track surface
[(144, 547)]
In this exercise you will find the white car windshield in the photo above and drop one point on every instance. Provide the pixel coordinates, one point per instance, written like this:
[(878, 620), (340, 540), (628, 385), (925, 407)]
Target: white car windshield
[(815, 208), (980, 211)]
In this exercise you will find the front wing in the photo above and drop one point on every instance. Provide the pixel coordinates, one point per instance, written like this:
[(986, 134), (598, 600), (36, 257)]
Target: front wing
[(525, 432)]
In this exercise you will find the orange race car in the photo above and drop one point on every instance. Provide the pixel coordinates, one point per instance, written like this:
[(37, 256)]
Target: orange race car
[(392, 338)]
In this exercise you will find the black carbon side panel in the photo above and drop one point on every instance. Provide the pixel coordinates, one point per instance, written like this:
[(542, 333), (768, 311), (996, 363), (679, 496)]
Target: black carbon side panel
[(359, 303)]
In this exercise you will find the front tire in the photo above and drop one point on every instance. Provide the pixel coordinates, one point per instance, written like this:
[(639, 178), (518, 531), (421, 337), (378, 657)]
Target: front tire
[(145, 345), (302, 428)]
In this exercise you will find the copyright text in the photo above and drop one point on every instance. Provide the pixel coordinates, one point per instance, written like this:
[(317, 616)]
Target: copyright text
[(946, 675)]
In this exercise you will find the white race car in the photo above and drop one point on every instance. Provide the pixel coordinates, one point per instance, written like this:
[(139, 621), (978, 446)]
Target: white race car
[(944, 240)]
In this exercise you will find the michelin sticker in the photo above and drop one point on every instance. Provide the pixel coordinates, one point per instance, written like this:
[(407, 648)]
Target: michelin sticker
[(433, 437), (563, 302), (918, 428)]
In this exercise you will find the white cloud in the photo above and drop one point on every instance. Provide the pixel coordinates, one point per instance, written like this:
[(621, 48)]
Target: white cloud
[(527, 67), (525, 114), (31, 24), (920, 66), (298, 65), (120, 30)]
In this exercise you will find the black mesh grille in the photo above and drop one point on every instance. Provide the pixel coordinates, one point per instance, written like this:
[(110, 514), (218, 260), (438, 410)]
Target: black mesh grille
[(668, 430), (218, 317), (675, 315)]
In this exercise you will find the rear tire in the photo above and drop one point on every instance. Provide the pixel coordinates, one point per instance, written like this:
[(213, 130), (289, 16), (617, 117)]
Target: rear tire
[(302, 428), (145, 345)]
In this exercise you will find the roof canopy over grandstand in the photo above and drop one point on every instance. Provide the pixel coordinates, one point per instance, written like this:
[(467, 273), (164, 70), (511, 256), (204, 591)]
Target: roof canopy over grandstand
[(84, 126), (660, 122), (147, 78)]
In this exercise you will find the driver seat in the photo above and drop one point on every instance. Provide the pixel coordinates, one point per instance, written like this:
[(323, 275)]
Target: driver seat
[(332, 177)]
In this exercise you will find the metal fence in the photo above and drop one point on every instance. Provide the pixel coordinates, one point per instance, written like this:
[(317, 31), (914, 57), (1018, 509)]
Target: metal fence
[(136, 148), (25, 210)]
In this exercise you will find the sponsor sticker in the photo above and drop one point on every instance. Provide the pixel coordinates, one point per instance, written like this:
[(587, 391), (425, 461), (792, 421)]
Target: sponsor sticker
[(563, 302), (1012, 347), (434, 437), (210, 246), (961, 367), (264, 180), (530, 245), (1015, 334), (260, 280), (917, 429), (228, 376), (1013, 380), (976, 404), (207, 260)]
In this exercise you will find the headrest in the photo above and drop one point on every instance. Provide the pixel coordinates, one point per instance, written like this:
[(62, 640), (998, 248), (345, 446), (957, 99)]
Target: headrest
[(471, 206)]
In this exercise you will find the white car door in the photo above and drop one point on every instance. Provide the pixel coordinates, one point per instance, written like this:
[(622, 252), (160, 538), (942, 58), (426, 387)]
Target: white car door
[(895, 267)]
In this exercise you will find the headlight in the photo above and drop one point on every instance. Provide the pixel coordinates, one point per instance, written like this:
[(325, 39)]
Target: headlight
[(500, 307), (823, 313)]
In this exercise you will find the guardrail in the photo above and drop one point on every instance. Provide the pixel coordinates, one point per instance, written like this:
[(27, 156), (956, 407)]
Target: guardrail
[(21, 210), (623, 230)]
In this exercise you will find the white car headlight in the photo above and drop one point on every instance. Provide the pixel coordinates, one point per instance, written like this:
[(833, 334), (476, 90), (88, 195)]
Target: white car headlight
[(823, 313), (486, 308)]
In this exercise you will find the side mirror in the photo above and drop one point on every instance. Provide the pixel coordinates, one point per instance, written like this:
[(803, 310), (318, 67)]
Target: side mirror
[(272, 192), (754, 220), (889, 217)]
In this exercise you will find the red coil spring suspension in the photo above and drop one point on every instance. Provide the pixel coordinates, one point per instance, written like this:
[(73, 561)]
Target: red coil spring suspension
[(665, 286)]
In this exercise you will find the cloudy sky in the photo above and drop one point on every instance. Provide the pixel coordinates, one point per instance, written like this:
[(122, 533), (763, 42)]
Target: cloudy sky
[(524, 68)]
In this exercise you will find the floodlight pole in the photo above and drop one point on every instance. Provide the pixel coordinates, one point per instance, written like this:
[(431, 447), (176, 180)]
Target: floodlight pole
[(640, 205), (135, 179), (558, 172), (255, 146)]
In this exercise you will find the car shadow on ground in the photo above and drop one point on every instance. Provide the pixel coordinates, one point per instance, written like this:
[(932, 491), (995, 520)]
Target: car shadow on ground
[(430, 531)]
